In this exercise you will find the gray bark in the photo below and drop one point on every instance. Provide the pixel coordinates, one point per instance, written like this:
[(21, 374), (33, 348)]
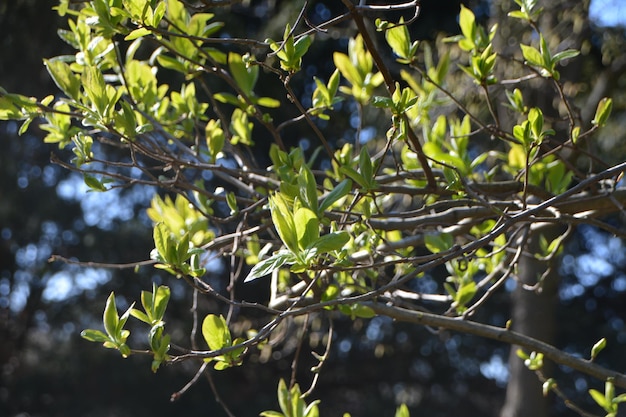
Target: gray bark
[(565, 25), (532, 315)]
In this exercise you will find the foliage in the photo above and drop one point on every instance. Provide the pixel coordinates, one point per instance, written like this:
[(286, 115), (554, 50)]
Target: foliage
[(346, 230)]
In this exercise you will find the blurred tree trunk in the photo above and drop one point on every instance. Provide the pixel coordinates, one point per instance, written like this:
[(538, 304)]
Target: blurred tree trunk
[(533, 314), (565, 24)]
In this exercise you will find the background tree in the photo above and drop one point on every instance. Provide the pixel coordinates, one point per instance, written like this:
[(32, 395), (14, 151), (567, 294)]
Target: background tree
[(446, 182)]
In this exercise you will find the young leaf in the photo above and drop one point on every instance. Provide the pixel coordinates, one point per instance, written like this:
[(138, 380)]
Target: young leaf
[(347, 69), (599, 398), (568, 53), (63, 77), (341, 190), (94, 335), (302, 46), (548, 385), (231, 201), (245, 76), (284, 398), (216, 332), (532, 55), (137, 33), (161, 236), (308, 187), (603, 111), (331, 242), (467, 22), (366, 168), (161, 297), (215, 138), (402, 411), (399, 40), (282, 218), (307, 227), (438, 242), (110, 318), (598, 347), (269, 265)]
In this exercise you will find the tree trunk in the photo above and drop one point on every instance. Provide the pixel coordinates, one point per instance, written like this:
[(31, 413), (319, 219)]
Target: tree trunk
[(533, 314), (565, 23)]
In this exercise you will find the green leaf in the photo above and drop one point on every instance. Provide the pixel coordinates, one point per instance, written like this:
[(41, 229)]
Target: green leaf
[(312, 410), (402, 411), (282, 218), (231, 201), (609, 393), (438, 242), (9, 110), (241, 128), (522, 134), (518, 15), (267, 102), (171, 63), (575, 134), (307, 227), (302, 46), (333, 83), (599, 398), (110, 318), (161, 299), (215, 138), (269, 265), (532, 55), (161, 236), (159, 12), (340, 191), (467, 22), (64, 78), (271, 413), (382, 102), (357, 310), (94, 335), (331, 242), (548, 385), (598, 347), (366, 168), (568, 53), (516, 100), (354, 175), (245, 76), (94, 183), (308, 188), (548, 63), (137, 33), (399, 40), (122, 322), (619, 399), (216, 332), (284, 398), (140, 315), (347, 69), (521, 354), (465, 294), (95, 88), (603, 111), (535, 117)]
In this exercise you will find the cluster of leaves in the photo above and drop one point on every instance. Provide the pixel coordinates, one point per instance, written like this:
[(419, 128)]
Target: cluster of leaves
[(378, 219)]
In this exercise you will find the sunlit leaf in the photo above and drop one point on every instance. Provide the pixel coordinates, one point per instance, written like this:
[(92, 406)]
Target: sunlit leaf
[(216, 332)]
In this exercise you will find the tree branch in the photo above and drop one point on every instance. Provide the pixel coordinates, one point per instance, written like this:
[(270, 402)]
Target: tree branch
[(501, 335)]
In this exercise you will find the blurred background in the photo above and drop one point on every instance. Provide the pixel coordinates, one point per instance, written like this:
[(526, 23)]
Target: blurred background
[(47, 370)]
